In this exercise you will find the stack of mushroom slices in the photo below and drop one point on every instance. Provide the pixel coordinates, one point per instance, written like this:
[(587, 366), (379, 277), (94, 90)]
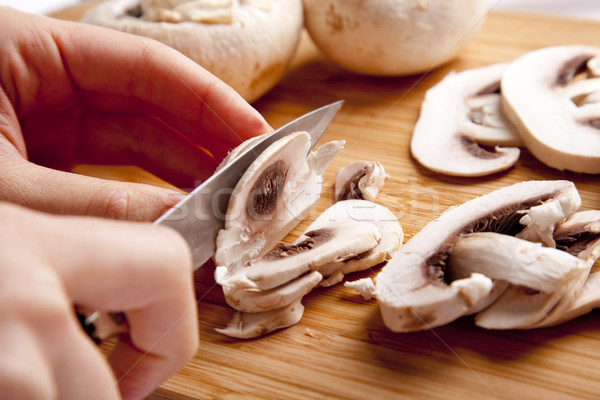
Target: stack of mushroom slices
[(519, 258), (472, 123), (266, 281)]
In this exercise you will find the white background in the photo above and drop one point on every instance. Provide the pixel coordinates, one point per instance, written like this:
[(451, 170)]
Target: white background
[(586, 9)]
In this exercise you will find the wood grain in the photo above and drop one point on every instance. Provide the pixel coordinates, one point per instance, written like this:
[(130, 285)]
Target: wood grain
[(341, 349)]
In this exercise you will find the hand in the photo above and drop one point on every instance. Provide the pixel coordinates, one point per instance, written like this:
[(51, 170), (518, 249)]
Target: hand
[(73, 94), (49, 262)]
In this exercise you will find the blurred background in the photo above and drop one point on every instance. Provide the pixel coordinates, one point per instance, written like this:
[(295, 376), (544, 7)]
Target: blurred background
[(585, 9)]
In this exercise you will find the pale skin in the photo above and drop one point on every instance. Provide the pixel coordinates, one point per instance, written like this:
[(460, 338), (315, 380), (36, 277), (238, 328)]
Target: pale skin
[(71, 94)]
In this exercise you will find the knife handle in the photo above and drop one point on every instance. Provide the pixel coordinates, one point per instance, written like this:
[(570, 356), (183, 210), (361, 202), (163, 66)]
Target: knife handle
[(99, 325)]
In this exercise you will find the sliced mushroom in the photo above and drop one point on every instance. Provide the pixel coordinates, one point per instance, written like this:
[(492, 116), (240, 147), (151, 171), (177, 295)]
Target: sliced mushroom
[(315, 248), (586, 300), (579, 235), (540, 97), (413, 289), (273, 195), (359, 180), (247, 43), (521, 307), (254, 301), (343, 212), (250, 325), (508, 258), (452, 124)]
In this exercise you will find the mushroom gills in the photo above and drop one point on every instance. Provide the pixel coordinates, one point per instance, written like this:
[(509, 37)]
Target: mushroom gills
[(457, 115), (359, 180)]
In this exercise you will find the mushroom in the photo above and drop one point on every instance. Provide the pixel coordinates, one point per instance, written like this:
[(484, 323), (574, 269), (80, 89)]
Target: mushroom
[(392, 37), (315, 248), (522, 308), (548, 105), (343, 212), (359, 180), (415, 290), (246, 43), (273, 196), (249, 325), (514, 260), (272, 286), (458, 116)]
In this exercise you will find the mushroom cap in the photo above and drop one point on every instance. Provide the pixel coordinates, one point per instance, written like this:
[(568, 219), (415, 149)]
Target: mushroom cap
[(392, 37), (445, 138), (538, 94), (250, 52), (416, 273)]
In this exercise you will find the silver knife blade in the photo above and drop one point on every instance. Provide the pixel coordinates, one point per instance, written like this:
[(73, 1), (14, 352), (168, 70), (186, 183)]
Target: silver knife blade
[(200, 215)]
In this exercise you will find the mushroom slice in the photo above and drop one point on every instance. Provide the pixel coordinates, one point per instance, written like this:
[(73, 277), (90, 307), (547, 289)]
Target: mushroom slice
[(413, 289), (538, 98), (253, 301), (359, 180), (343, 212), (515, 260), (250, 325), (585, 301), (452, 120), (578, 238), (273, 195), (579, 235), (240, 149), (520, 307), (316, 247)]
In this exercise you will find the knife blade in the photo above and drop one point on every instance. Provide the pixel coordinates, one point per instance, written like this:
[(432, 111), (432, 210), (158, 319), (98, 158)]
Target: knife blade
[(200, 215)]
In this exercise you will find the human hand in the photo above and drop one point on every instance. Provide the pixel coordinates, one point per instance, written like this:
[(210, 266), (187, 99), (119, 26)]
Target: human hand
[(72, 94), (47, 263)]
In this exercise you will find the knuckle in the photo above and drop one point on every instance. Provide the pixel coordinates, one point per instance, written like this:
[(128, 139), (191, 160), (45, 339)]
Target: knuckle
[(111, 200), (41, 302)]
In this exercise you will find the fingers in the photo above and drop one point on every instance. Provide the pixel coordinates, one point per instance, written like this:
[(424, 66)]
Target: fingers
[(44, 354), (60, 192), (138, 268), (149, 143), (163, 78)]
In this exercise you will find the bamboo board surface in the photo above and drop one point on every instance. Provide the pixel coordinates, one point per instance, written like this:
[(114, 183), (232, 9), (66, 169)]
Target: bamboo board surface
[(341, 349)]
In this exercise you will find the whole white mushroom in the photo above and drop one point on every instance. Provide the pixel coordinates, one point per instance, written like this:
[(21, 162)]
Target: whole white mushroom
[(246, 43), (392, 37)]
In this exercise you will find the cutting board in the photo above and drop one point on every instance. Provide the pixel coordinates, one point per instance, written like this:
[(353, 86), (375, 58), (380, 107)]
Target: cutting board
[(341, 349)]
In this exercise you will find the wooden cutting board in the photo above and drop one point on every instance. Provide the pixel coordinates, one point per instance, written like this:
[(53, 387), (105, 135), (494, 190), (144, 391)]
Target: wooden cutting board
[(341, 349)]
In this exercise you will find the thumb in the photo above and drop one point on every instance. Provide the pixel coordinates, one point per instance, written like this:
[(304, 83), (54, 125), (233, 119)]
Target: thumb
[(61, 192)]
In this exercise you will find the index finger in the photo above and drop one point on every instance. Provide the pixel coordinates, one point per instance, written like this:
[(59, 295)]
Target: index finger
[(111, 69)]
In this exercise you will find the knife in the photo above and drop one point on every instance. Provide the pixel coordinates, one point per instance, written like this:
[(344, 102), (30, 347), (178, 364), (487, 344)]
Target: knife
[(200, 215)]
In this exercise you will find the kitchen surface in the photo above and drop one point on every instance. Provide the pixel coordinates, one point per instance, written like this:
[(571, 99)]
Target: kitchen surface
[(341, 348)]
